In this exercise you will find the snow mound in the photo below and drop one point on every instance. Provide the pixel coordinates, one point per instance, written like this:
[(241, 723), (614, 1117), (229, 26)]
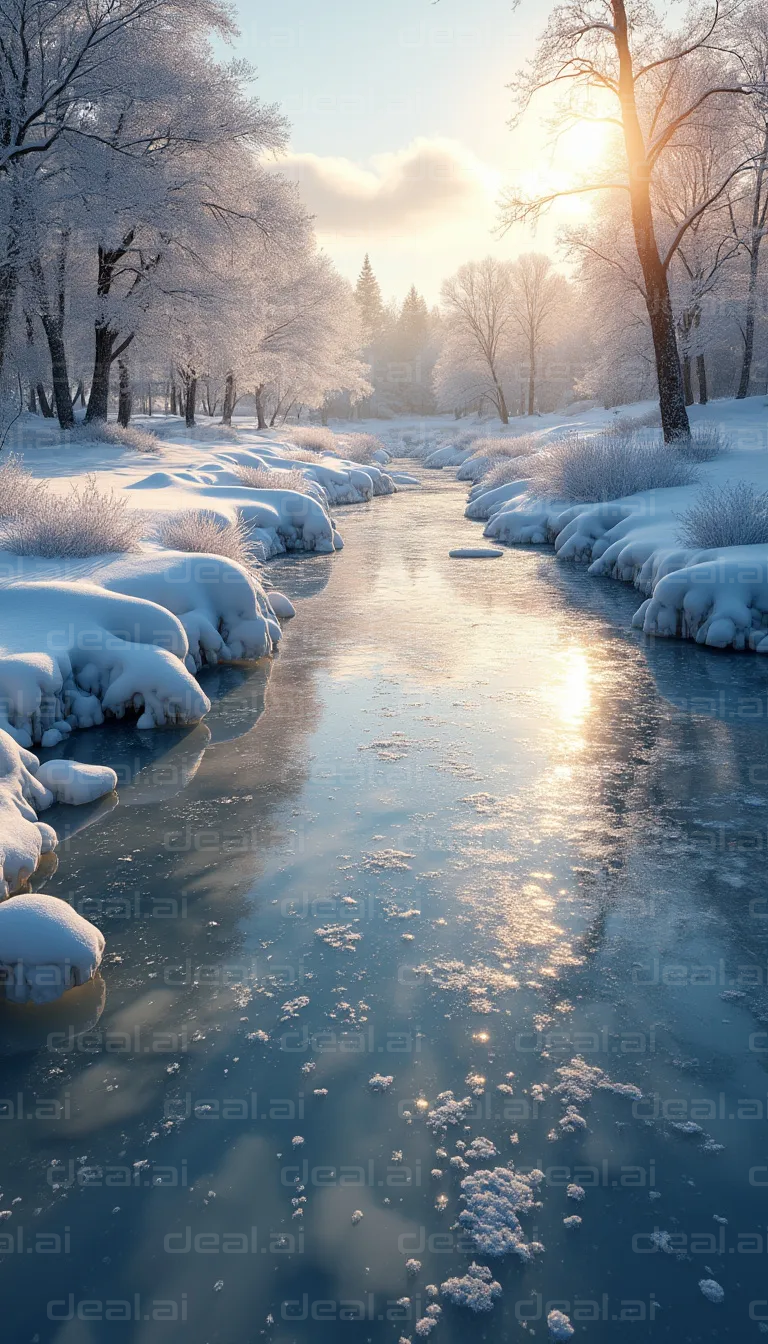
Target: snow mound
[(125, 636), (22, 837), (493, 1201), (722, 602), (448, 456), (477, 1290), (282, 520), (483, 504), (71, 782), (45, 948)]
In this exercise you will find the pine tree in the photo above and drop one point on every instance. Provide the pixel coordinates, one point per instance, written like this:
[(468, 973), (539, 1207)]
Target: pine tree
[(413, 324), (369, 301)]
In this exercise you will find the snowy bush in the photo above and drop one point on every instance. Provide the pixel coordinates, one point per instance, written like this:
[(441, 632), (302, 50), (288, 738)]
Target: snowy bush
[(496, 448), (132, 438), (488, 453), (605, 467), (630, 424), (301, 455), (501, 473), (706, 443), (18, 487), (318, 438), (87, 521), (261, 478), (208, 533), (727, 515), (361, 448)]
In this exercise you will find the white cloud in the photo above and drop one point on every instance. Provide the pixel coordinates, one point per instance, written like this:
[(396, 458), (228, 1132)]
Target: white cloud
[(429, 184)]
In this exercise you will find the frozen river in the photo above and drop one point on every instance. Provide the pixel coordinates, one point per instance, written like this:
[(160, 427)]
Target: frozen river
[(467, 828)]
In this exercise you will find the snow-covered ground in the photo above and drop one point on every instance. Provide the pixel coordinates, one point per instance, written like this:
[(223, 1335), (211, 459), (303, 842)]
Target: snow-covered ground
[(717, 596)]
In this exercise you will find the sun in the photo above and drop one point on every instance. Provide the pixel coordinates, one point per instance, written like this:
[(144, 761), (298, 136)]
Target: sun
[(585, 143)]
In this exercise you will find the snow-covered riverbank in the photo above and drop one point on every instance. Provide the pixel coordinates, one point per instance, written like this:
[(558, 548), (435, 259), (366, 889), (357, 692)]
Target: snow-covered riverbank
[(717, 595), (85, 636)]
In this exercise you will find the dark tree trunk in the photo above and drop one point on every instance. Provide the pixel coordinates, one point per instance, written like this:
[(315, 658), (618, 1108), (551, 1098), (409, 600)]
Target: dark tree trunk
[(687, 381), (61, 391), (190, 401), (45, 406), (98, 401), (52, 318), (80, 394), (149, 399), (260, 417), (759, 213), (229, 400), (749, 323), (31, 397), (125, 400), (9, 283), (106, 336), (674, 417), (701, 374), (174, 402), (501, 403)]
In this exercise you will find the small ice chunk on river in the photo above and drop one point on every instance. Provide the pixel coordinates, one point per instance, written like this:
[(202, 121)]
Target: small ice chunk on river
[(476, 553)]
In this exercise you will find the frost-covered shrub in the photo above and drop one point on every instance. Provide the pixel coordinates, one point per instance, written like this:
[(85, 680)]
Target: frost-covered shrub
[(511, 469), (629, 424), (301, 454), (496, 448), (87, 521), (606, 466), (360, 447), (706, 443), (132, 438), (487, 453), (318, 438), (17, 487), (726, 515), (205, 532), (261, 478)]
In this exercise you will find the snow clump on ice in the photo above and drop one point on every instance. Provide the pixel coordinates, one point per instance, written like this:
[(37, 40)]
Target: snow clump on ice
[(380, 1082), (712, 1290), (559, 1325), (493, 1200), (477, 1290), (448, 1111)]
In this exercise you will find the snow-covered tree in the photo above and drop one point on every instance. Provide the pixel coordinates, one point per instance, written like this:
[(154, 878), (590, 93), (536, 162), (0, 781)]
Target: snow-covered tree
[(619, 54)]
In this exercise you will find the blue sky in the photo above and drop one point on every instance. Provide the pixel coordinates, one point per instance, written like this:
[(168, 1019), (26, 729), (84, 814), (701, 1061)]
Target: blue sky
[(399, 124)]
